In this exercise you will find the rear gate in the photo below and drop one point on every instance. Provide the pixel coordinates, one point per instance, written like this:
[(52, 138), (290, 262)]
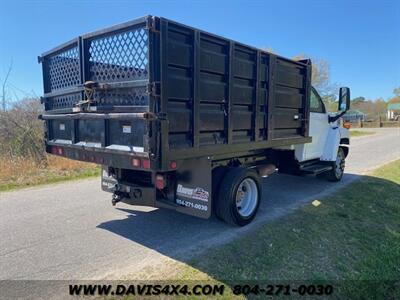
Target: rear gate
[(97, 92)]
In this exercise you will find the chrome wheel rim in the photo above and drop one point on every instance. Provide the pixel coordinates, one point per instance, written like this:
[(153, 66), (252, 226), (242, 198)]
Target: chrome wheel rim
[(246, 197), (339, 165)]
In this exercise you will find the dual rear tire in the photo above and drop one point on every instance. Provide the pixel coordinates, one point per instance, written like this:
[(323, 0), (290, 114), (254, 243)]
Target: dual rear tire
[(239, 196)]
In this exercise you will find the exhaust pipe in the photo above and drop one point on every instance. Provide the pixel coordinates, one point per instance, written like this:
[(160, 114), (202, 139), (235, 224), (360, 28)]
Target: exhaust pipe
[(266, 170)]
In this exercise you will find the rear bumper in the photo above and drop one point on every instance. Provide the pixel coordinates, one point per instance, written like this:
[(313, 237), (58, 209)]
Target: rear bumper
[(99, 155), (147, 196), (187, 190), (138, 195)]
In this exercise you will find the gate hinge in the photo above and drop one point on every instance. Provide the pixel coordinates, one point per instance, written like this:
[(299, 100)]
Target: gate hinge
[(154, 88), (153, 24)]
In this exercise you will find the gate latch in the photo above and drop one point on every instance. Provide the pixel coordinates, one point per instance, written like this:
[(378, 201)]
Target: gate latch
[(89, 88), (154, 89)]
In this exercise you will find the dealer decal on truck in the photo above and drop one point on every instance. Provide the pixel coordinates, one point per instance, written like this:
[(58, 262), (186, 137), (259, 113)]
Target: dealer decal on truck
[(192, 205), (196, 193)]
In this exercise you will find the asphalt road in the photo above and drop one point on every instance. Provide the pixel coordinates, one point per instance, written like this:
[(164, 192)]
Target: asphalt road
[(71, 231)]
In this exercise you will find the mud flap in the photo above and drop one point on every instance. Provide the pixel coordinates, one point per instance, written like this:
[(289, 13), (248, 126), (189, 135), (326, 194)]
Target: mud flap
[(194, 188), (331, 145), (108, 183)]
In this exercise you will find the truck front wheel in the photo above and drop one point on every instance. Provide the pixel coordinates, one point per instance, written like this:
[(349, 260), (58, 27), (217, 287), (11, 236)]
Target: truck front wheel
[(337, 171), (239, 196)]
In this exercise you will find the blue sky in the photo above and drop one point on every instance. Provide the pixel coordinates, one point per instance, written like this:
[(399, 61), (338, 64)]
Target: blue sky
[(360, 39)]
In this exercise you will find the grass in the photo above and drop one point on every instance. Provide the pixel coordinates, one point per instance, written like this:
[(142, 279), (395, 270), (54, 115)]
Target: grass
[(18, 173), (357, 133), (351, 240)]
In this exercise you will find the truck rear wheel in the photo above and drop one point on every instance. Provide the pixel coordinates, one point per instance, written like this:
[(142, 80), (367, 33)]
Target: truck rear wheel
[(239, 196), (337, 171)]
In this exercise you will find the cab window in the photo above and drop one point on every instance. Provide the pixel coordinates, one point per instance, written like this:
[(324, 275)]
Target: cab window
[(316, 104)]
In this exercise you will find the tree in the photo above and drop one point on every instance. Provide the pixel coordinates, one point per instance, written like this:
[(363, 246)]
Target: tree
[(358, 100), (269, 50), (396, 91), (320, 77), (4, 88), (21, 132), (372, 108), (396, 98)]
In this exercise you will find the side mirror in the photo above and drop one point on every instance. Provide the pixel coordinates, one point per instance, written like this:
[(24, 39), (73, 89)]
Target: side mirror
[(344, 99)]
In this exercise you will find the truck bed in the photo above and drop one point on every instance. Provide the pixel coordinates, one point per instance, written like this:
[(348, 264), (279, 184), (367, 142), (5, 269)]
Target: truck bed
[(159, 91)]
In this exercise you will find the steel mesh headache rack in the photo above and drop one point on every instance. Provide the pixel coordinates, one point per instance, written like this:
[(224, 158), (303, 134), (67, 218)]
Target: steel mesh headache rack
[(163, 91), (118, 56), (96, 95)]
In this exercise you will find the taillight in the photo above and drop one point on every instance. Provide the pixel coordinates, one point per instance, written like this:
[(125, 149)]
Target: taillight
[(347, 125), (136, 162), (160, 182), (172, 164), (146, 163), (57, 150)]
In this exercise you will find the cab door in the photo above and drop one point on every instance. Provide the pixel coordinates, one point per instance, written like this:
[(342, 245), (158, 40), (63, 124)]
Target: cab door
[(319, 127)]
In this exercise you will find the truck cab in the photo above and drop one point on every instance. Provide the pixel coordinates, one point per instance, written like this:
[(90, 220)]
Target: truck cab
[(329, 147)]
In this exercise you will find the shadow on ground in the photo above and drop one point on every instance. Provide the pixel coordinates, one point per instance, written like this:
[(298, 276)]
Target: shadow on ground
[(347, 226), (182, 237)]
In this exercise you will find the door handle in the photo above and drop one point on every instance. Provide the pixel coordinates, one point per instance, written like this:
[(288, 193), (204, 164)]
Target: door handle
[(297, 117)]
